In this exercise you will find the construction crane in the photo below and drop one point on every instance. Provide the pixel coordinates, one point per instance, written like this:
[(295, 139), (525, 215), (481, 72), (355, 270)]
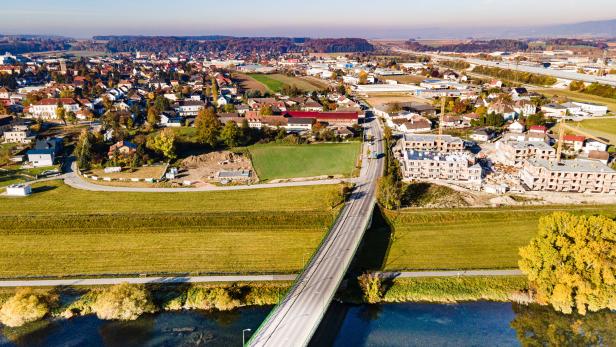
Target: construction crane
[(439, 137), (561, 139)]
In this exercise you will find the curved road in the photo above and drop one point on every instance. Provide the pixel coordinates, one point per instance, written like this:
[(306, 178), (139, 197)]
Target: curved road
[(294, 320), (71, 178)]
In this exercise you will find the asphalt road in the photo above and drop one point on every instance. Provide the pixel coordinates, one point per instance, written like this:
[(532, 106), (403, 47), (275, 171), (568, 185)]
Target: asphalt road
[(74, 180), (294, 320)]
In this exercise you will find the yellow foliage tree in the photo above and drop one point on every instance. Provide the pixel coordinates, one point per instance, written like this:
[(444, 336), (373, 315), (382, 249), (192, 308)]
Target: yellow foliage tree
[(571, 263), (123, 302), (26, 306)]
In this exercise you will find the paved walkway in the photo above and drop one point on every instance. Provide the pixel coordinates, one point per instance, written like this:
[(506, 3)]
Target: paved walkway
[(144, 280), (237, 278), (462, 273)]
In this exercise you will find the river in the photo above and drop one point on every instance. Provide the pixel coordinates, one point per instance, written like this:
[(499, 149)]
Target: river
[(412, 324)]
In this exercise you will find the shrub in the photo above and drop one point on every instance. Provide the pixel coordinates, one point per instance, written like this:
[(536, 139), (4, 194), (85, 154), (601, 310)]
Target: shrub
[(123, 302), (203, 298), (26, 306), (371, 287)]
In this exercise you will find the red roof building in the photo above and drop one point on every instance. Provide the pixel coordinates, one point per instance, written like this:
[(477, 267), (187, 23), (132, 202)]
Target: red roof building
[(337, 118)]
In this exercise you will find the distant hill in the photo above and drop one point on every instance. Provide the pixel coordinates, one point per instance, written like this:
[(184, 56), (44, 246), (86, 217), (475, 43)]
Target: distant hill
[(605, 28), (171, 44)]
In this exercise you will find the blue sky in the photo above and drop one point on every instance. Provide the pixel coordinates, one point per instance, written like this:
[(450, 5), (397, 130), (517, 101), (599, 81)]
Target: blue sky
[(315, 18)]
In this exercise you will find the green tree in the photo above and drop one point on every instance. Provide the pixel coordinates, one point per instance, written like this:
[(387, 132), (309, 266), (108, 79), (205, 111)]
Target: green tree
[(208, 127), (214, 90), (570, 263), (389, 192), (246, 132), (231, 134), (163, 143), (123, 302), (83, 150)]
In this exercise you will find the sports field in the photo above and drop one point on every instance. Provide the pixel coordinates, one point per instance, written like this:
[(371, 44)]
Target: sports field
[(467, 238), (60, 231), (275, 161)]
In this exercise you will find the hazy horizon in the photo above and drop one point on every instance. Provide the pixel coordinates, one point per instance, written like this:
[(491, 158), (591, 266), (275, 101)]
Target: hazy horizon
[(387, 19)]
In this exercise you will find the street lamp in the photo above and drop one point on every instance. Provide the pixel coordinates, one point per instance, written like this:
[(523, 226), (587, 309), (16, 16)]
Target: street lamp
[(244, 336)]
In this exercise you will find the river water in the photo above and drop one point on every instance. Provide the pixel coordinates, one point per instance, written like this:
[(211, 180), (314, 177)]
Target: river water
[(413, 324)]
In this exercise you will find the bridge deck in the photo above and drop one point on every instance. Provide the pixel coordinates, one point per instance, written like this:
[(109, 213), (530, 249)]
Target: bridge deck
[(294, 320)]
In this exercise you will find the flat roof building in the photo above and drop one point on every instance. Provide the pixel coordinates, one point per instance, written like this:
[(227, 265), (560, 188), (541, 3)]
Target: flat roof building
[(453, 167), (515, 153), (429, 142), (576, 176)]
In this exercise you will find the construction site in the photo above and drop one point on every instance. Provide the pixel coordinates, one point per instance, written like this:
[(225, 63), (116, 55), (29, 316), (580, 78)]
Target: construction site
[(221, 167)]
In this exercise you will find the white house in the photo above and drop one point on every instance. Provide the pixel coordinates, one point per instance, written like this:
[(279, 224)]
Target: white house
[(46, 108), (554, 110), (41, 157)]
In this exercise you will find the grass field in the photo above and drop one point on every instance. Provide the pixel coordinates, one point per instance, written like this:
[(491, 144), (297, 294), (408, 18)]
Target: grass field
[(274, 161), (605, 128), (467, 238), (60, 231), (581, 97), (275, 82)]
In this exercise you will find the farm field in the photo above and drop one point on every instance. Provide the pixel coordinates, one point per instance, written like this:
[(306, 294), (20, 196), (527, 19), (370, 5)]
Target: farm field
[(275, 82), (581, 97), (249, 83), (376, 99), (60, 231), (412, 79), (274, 161), (446, 239)]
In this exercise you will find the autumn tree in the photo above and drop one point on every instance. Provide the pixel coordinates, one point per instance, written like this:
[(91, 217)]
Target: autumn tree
[(153, 116), (163, 143), (123, 302), (570, 263), (214, 91), (208, 127), (576, 85), (363, 77), (26, 306), (266, 110), (61, 112), (371, 285)]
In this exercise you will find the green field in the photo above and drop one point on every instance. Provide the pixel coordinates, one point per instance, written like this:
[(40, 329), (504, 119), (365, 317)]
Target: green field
[(60, 231), (275, 82), (275, 161), (581, 97), (605, 128), (467, 238)]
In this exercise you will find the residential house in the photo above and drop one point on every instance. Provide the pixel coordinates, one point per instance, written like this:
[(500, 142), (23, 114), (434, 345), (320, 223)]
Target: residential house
[(171, 120), (554, 110), (575, 141), (189, 108), (122, 149), (482, 135), (524, 107), (516, 153), (503, 108), (576, 176)]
